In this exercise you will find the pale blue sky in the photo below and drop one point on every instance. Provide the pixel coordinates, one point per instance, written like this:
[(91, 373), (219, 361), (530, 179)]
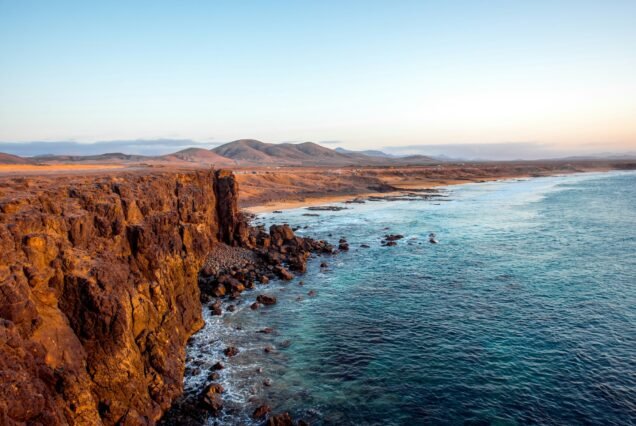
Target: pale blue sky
[(368, 73)]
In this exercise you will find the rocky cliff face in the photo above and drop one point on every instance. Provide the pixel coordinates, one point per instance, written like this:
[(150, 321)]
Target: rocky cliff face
[(98, 291)]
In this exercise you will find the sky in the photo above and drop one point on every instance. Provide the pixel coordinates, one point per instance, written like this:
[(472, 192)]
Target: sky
[(403, 75)]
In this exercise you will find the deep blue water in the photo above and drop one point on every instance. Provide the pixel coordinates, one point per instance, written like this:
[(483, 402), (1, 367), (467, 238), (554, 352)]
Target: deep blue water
[(524, 313)]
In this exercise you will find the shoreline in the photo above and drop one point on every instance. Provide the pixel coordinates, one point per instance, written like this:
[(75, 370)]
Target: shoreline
[(286, 204)]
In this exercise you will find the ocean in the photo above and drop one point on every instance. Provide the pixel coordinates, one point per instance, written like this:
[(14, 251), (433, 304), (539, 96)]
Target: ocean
[(523, 313)]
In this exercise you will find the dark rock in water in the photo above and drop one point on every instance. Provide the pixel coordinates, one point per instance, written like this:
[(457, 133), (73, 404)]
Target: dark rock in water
[(301, 283), (231, 308), (216, 308), (266, 299), (311, 293), (266, 330), (302, 423), (263, 279), (326, 208), (311, 214), (280, 420), (343, 246), (390, 244), (254, 306), (363, 246), (324, 265), (393, 237), (211, 398), (268, 349), (267, 382), (261, 412), (277, 211), (214, 376), (355, 201), (218, 366), (342, 240), (212, 403), (231, 351), (214, 388)]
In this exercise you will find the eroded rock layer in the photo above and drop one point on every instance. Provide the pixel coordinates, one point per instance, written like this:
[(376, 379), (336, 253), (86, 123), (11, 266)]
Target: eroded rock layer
[(98, 291)]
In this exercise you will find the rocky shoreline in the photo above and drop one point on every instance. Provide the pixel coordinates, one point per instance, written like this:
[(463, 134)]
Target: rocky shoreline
[(100, 282), (229, 271)]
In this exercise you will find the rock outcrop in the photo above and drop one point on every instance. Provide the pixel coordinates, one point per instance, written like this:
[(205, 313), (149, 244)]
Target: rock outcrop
[(98, 290)]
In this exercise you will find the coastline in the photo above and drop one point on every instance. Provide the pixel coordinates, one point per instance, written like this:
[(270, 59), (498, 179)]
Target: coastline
[(318, 200), (263, 351)]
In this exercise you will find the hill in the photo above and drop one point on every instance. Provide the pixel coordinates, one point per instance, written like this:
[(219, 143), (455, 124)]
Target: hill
[(307, 154), (13, 159), (199, 155)]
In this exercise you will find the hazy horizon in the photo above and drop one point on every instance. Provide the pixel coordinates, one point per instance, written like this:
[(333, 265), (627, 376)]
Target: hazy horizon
[(155, 147), (542, 78)]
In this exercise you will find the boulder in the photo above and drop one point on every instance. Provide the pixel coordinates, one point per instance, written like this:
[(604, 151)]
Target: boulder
[(283, 419), (211, 398), (231, 351), (266, 299), (284, 273), (260, 412)]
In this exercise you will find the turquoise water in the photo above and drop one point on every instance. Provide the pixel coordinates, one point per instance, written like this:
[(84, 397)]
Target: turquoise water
[(525, 312)]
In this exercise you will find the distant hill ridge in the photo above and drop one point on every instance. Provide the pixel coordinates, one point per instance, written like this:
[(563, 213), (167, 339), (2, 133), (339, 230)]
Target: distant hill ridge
[(13, 159), (246, 152)]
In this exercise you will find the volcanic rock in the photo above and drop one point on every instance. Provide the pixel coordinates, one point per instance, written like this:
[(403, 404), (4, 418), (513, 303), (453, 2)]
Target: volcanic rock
[(266, 299), (211, 398), (283, 419), (284, 273), (261, 412), (231, 351)]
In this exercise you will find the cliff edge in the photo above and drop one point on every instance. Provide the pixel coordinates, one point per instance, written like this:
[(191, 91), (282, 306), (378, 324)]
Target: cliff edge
[(98, 291)]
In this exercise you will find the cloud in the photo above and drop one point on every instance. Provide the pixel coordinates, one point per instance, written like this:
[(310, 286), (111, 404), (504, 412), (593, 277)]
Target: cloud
[(137, 146)]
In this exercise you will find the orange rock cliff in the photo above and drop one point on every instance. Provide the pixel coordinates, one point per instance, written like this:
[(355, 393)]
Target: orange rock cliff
[(98, 291)]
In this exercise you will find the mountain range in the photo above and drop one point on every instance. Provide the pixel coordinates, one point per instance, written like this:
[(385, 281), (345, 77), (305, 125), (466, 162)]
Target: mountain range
[(243, 152)]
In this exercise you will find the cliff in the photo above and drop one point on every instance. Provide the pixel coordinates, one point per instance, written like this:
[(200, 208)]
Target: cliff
[(98, 291)]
